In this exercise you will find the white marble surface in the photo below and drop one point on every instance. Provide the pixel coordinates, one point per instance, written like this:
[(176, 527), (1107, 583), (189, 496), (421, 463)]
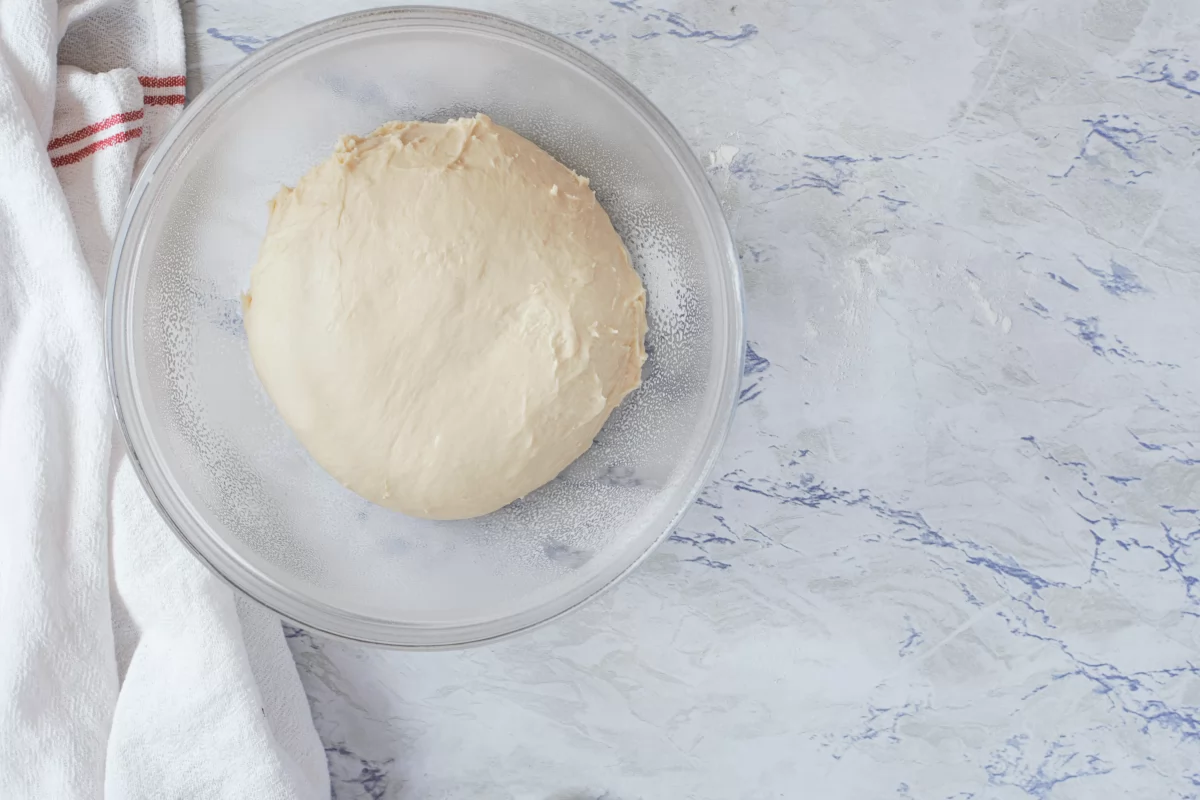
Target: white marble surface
[(951, 550)]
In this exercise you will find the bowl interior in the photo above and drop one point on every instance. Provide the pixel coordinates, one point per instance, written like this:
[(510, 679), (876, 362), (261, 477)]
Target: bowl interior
[(228, 471)]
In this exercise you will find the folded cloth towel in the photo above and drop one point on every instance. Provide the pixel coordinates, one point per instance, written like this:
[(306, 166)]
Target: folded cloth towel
[(127, 670)]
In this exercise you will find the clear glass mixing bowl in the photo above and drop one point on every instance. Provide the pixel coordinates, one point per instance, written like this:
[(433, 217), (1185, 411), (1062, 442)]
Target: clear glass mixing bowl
[(225, 470)]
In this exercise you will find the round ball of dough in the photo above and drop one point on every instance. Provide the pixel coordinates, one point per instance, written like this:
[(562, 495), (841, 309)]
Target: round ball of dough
[(444, 315)]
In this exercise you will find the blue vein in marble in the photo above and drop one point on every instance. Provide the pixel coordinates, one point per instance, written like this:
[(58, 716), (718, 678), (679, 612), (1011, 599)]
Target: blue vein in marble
[(754, 365), (1125, 137), (1135, 174), (1119, 131), (754, 362), (708, 562), (369, 776), (893, 204), (683, 29), (882, 722), (748, 394), (1087, 330), (1058, 764), (808, 492), (1145, 696), (1078, 467), (913, 638), (665, 22), (247, 44), (1026, 577), (1119, 280), (1122, 689), (743, 168), (1061, 281), (590, 35), (1160, 68), (1033, 306), (1124, 481), (1178, 455), (829, 173)]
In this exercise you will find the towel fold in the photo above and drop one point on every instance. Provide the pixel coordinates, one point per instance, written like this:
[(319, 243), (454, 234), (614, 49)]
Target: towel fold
[(128, 670)]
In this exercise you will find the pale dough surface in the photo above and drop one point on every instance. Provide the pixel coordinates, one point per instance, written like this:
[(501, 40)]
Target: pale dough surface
[(444, 315)]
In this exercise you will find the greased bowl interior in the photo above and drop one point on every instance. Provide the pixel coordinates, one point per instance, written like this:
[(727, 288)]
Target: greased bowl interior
[(227, 473)]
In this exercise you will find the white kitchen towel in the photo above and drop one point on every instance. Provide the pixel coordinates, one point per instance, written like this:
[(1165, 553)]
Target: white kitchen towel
[(127, 670)]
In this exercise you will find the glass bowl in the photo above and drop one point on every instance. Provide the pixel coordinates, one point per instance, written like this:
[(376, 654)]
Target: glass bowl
[(225, 470)]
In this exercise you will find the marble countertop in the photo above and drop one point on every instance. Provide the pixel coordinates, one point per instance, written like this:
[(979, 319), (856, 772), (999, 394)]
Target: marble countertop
[(952, 548)]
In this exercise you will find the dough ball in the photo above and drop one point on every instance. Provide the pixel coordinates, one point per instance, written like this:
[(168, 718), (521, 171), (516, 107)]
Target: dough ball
[(444, 315)]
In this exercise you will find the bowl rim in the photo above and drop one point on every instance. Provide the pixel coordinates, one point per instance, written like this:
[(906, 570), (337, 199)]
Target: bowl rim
[(172, 505)]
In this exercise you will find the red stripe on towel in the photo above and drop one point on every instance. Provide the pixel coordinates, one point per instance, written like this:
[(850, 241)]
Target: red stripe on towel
[(84, 152), (83, 133)]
